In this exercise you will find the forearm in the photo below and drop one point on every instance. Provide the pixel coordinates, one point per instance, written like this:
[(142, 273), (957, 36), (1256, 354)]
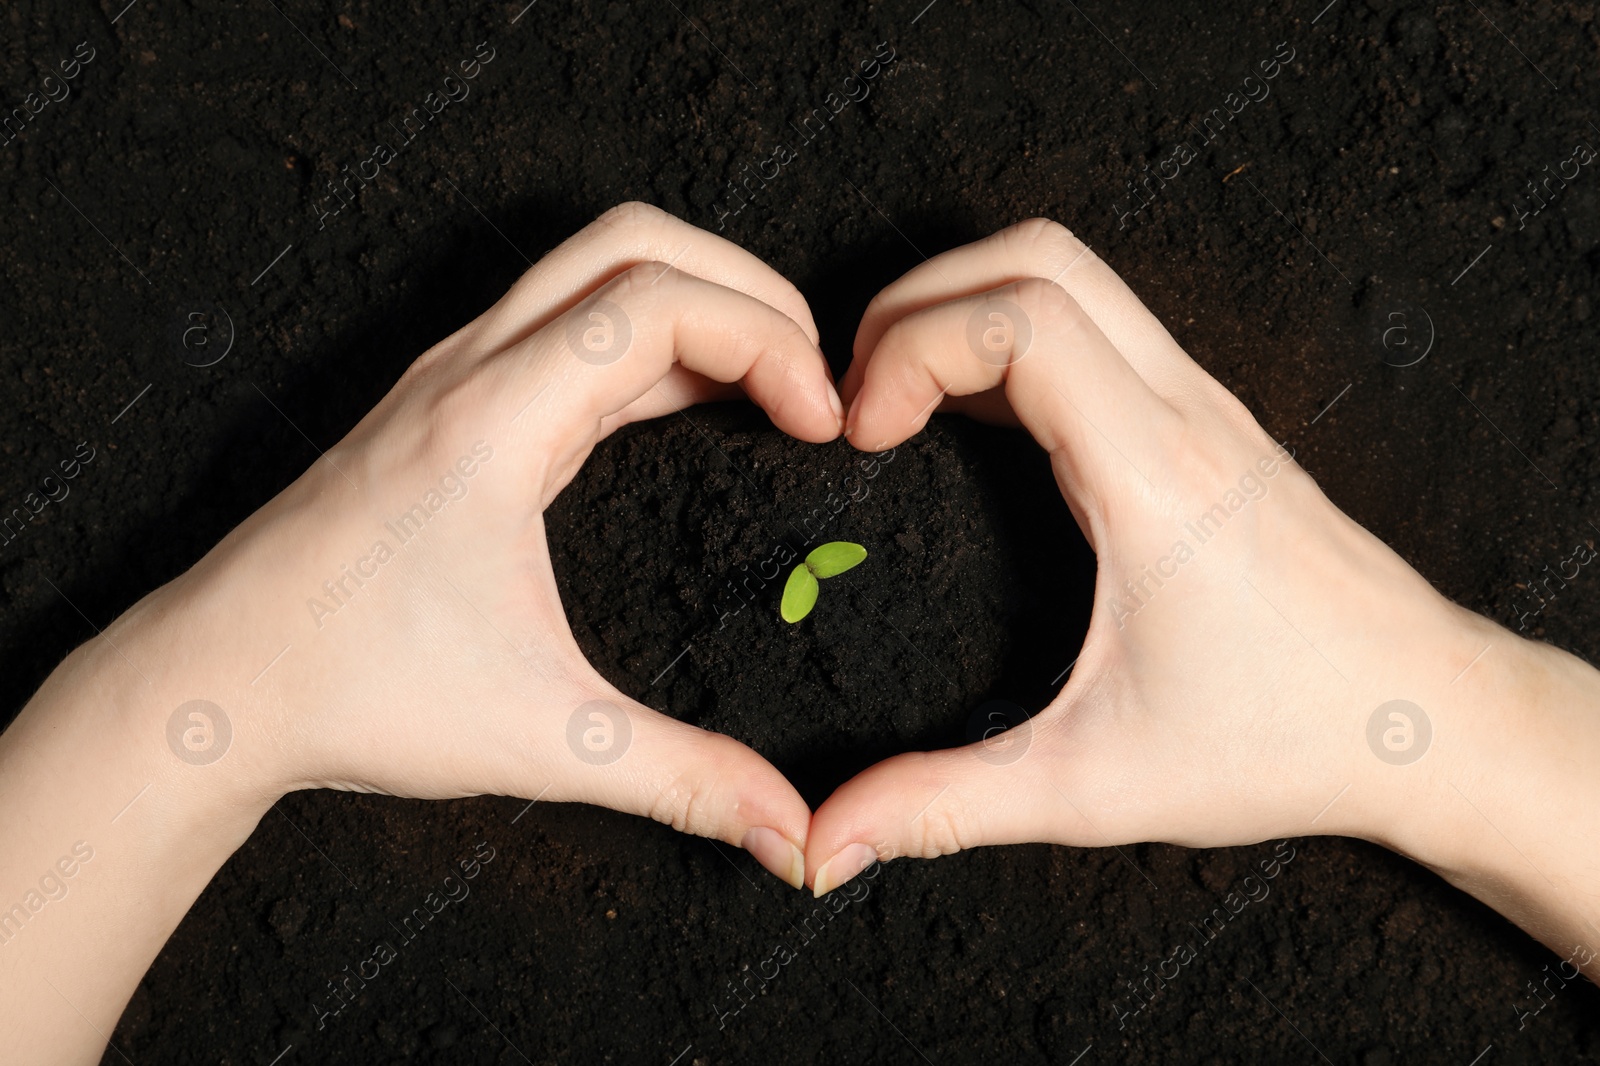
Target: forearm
[(108, 836), (1511, 811)]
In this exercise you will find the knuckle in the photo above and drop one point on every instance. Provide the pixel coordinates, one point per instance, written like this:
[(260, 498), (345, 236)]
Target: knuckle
[(663, 809), (905, 360), (897, 334), (674, 805), (689, 803), (939, 831), (940, 828), (454, 404), (1208, 464), (1047, 242), (879, 305), (1231, 410), (1049, 305), (788, 339), (632, 214), (424, 366), (881, 308), (698, 818), (639, 279)]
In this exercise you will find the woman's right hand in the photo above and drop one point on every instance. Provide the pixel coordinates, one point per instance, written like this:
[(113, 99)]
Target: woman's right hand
[(1247, 637)]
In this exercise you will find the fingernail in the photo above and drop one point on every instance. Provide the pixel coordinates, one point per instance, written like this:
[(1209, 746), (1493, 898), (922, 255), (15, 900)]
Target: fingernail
[(842, 867), (781, 858), (837, 405)]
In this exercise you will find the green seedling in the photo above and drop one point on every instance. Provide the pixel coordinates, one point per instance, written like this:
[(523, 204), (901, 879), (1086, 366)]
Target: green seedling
[(827, 560)]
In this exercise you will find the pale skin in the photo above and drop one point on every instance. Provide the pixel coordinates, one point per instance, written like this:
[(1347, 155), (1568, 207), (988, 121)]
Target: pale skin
[(1226, 705)]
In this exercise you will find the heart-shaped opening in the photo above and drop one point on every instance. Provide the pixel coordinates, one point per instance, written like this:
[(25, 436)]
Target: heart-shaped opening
[(671, 549)]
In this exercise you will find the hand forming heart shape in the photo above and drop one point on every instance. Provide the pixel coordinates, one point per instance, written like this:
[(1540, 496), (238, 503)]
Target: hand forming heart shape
[(1257, 665), (1219, 698)]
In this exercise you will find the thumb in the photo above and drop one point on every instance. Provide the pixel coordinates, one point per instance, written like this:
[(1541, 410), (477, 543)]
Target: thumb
[(633, 759), (927, 804)]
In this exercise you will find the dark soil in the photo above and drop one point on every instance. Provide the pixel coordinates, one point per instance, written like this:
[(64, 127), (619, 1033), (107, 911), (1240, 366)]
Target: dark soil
[(1386, 173)]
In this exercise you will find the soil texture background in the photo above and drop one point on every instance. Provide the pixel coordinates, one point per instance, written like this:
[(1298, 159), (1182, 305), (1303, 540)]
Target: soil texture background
[(1355, 251)]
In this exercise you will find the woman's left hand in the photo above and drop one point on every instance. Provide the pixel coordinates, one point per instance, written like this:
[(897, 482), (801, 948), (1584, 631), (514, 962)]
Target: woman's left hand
[(408, 573)]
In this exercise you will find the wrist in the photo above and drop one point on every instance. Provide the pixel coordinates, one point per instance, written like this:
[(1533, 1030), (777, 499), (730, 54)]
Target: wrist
[(1509, 787), (113, 834), (152, 702), (234, 631)]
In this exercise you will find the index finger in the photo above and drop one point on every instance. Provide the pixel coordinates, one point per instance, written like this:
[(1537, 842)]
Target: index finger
[(1036, 248), (568, 381), (624, 237)]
